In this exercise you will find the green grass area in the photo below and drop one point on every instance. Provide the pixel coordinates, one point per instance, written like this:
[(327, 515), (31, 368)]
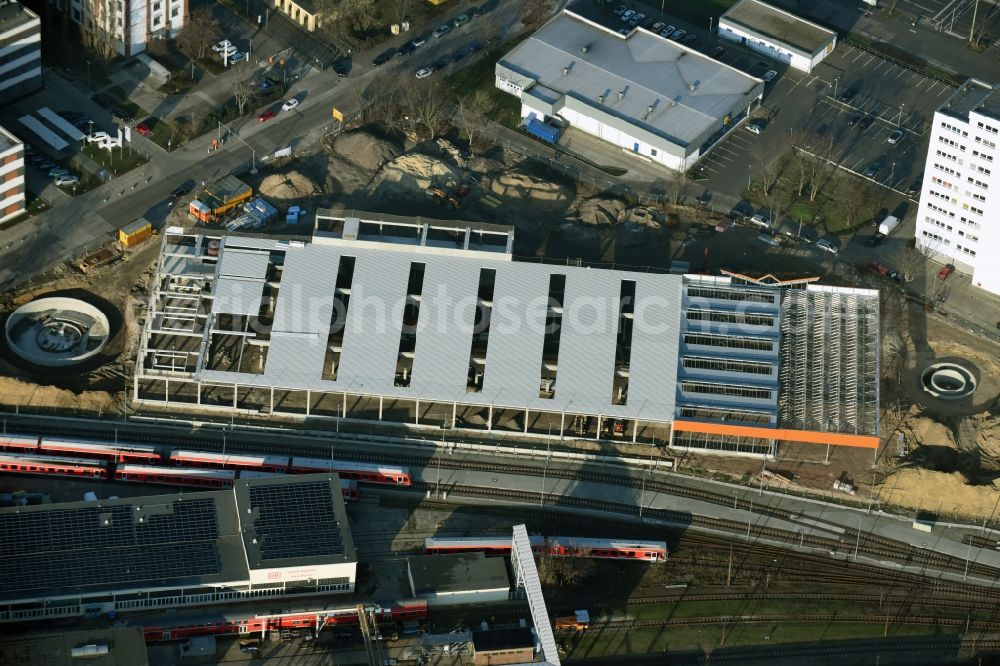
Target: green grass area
[(165, 134), (116, 160), (88, 181), (595, 644), (180, 81)]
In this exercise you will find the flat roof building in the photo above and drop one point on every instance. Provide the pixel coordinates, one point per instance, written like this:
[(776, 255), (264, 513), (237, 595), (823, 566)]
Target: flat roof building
[(458, 578), (639, 92), (12, 175), (266, 537), (20, 52), (433, 324), (958, 218), (777, 34), (503, 646)]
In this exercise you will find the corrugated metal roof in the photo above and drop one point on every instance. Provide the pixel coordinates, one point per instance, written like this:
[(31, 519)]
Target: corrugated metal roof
[(238, 296), (690, 93), (237, 262)]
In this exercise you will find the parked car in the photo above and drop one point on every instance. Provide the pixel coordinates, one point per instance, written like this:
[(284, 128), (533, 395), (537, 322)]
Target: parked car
[(872, 169), (418, 42), (440, 64), (265, 115), (946, 271), (441, 30), (424, 72), (883, 270), (875, 239), (636, 19), (342, 67), (406, 49), (237, 57), (624, 31), (690, 41), (383, 57), (865, 122), (619, 10), (648, 23), (666, 32), (474, 47), (769, 75), (895, 137), (57, 171), (179, 191), (760, 220), (97, 137), (222, 46), (658, 26), (773, 241), (717, 52), (460, 20), (725, 225), (853, 119), (847, 95), (915, 186), (756, 126), (143, 129), (627, 14), (678, 35), (826, 245), (67, 179), (290, 104)]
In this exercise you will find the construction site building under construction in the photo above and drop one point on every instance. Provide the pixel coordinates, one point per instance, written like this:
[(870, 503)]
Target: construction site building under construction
[(434, 324)]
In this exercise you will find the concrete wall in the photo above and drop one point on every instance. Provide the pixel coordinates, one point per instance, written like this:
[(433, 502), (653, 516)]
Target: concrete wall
[(775, 50)]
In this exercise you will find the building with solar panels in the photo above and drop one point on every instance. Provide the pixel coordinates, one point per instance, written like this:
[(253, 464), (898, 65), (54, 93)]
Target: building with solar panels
[(264, 538), (426, 323)]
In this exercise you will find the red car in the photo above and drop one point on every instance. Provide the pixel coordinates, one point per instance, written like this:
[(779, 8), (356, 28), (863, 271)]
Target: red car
[(265, 115), (143, 129), (945, 272)]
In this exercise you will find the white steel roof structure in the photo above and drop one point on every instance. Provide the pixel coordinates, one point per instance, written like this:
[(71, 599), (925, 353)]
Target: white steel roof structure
[(437, 316)]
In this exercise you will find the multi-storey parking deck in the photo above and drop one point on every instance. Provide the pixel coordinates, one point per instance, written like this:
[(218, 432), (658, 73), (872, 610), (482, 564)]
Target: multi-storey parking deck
[(417, 322)]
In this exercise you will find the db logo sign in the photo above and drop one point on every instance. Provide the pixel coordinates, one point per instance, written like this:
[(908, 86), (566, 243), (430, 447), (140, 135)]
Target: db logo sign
[(274, 575)]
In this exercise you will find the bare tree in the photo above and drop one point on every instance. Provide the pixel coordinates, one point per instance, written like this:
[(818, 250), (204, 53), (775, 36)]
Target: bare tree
[(535, 12), (471, 109), (243, 88), (358, 14), (820, 166), (199, 33), (400, 9), (488, 28), (890, 6), (766, 170), (681, 183), (424, 105), (853, 200), (801, 167)]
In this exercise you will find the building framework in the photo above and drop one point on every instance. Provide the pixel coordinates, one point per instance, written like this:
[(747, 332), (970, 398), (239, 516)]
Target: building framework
[(427, 323)]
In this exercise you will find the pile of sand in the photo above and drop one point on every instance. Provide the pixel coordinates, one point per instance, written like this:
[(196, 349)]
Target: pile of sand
[(16, 392), (600, 210), (416, 172), (988, 434), (522, 186), (938, 492), (484, 165), (365, 150), (642, 217), (928, 432), (450, 152), (290, 185)]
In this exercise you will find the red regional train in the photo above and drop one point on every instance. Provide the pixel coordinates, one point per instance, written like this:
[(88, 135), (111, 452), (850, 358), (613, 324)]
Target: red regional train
[(653, 551), (230, 624), (151, 455)]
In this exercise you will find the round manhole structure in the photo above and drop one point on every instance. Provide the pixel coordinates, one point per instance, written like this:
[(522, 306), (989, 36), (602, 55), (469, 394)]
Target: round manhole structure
[(57, 332), (948, 381)]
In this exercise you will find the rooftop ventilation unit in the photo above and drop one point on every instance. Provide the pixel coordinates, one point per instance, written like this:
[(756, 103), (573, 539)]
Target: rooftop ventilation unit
[(585, 48), (649, 110), (600, 98), (621, 94), (692, 87), (565, 71)]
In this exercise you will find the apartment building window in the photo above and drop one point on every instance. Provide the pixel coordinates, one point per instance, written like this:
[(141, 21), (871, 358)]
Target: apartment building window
[(988, 158), (953, 144), (952, 128), (988, 128), (988, 144), (175, 12), (977, 211), (947, 170)]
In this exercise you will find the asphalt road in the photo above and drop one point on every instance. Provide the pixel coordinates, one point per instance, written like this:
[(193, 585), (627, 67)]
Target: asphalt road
[(75, 225)]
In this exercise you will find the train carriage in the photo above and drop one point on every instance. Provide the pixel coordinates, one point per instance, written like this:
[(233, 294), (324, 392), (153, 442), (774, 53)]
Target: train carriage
[(139, 453), (399, 476), (52, 466), (488, 545), (654, 551), (174, 476), (19, 443), (262, 463)]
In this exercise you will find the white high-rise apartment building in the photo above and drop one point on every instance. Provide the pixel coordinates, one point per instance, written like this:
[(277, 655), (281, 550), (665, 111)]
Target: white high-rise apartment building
[(958, 219), (12, 198), (131, 23)]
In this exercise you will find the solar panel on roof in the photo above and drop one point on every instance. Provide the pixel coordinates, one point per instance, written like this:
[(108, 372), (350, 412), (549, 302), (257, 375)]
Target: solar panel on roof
[(295, 520), (106, 545)]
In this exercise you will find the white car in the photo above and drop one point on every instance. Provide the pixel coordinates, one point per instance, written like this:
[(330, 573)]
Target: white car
[(894, 138), (626, 15), (755, 126), (760, 220), (424, 72), (769, 75), (67, 179), (236, 57), (222, 46), (290, 104), (229, 52), (98, 137), (666, 32), (825, 245)]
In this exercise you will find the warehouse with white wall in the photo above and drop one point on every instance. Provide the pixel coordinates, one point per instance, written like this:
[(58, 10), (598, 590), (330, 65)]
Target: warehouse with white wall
[(778, 34)]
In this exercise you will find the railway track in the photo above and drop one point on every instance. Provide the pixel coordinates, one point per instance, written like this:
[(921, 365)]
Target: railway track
[(630, 625), (870, 545)]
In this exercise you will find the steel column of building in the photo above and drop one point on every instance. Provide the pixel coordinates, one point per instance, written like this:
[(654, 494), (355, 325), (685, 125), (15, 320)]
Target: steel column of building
[(522, 560), (308, 400)]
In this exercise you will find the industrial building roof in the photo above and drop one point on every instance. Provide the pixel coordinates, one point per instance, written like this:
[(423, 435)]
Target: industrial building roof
[(166, 541), (502, 639), (118, 646), (456, 572), (973, 95), (777, 25), (294, 521), (639, 80)]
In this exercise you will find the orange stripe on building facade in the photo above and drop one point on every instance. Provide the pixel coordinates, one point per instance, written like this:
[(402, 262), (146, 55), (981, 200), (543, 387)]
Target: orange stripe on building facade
[(783, 434)]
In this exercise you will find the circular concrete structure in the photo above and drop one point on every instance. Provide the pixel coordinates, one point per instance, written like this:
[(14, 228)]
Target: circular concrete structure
[(948, 381), (57, 332)]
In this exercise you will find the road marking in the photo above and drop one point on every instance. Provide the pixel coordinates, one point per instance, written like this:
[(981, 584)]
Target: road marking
[(911, 76), (857, 57), (708, 169), (732, 153), (879, 66)]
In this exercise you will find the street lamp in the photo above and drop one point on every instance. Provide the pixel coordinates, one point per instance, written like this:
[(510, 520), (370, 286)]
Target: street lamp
[(710, 25), (899, 121), (836, 82), (892, 172), (749, 173)]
